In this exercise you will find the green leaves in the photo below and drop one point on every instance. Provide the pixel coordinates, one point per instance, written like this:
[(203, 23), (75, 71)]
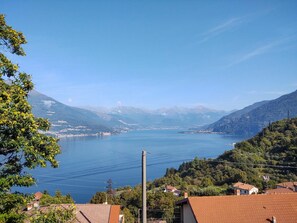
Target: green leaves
[(23, 143), (11, 207), (10, 38)]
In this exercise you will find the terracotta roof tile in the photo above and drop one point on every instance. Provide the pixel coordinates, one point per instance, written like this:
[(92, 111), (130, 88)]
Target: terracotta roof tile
[(279, 191), (289, 185), (169, 187), (245, 209), (38, 195), (243, 186), (95, 213), (114, 214), (89, 213)]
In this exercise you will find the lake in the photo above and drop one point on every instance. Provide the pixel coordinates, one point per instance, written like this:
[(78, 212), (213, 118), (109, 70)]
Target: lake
[(87, 163)]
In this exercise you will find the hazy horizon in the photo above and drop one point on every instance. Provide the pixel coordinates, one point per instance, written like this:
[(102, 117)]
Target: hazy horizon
[(223, 55)]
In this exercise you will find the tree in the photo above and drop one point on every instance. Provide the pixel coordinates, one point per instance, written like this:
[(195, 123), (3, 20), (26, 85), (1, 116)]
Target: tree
[(11, 208), (47, 199), (23, 143), (109, 187), (99, 198), (55, 214)]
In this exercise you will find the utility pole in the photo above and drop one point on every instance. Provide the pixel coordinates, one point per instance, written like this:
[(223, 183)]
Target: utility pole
[(143, 186)]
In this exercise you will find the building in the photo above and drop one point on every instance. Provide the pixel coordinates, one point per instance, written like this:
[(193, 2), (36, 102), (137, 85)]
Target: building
[(38, 195), (244, 189), (279, 191), (98, 213), (172, 189), (290, 185), (35, 203), (259, 208), (86, 213)]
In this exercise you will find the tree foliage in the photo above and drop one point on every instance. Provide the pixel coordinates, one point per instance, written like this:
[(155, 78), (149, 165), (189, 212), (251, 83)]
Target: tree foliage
[(58, 198), (54, 214), (23, 144), (160, 205), (272, 152), (11, 206)]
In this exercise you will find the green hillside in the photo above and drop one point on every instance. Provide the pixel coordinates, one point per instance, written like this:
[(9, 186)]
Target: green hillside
[(272, 152)]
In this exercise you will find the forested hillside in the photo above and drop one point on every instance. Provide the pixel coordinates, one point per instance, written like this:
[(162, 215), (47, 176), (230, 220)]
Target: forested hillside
[(272, 152)]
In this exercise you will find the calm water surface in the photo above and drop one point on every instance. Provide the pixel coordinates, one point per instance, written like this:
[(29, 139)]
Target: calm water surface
[(87, 163)]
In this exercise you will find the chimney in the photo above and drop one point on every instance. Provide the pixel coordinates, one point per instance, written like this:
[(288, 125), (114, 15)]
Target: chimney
[(273, 219), (185, 195), (236, 192)]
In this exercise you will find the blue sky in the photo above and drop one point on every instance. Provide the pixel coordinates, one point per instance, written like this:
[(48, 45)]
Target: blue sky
[(152, 54)]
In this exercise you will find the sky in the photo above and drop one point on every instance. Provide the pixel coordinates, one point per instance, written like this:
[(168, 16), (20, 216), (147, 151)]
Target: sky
[(159, 53)]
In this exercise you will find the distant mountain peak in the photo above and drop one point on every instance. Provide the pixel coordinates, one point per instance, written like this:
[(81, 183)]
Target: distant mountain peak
[(118, 118)]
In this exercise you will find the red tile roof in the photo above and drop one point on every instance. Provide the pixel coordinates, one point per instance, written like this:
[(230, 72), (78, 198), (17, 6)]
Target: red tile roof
[(289, 185), (243, 186), (170, 188), (97, 213), (245, 209), (114, 214), (38, 195), (279, 191)]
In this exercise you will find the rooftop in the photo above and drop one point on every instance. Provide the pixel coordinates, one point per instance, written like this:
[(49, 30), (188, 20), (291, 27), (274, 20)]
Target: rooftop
[(244, 209), (289, 185), (97, 213), (243, 186), (279, 191), (38, 195)]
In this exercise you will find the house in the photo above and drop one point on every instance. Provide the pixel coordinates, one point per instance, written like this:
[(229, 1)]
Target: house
[(244, 189), (86, 213), (290, 185), (259, 208), (279, 191), (38, 196), (98, 213), (35, 203), (172, 189)]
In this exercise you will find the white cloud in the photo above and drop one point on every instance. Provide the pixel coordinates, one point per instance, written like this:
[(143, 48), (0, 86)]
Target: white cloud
[(221, 28), (260, 50)]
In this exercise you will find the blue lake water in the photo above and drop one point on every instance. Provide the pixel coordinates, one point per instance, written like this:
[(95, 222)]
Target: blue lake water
[(87, 163)]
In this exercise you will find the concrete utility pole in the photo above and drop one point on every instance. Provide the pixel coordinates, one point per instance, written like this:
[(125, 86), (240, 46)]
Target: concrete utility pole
[(143, 186)]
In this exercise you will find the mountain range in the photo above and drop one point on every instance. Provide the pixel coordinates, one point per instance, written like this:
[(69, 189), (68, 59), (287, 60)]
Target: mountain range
[(252, 119), (175, 117), (72, 121)]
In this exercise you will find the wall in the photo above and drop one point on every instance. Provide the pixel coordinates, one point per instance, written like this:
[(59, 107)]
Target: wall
[(188, 216)]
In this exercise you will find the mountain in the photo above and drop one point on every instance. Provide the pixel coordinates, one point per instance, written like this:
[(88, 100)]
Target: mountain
[(252, 119), (67, 120), (175, 117)]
